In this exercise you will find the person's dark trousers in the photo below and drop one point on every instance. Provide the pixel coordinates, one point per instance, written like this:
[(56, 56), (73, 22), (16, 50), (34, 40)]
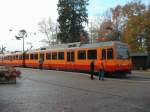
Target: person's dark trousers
[(92, 74)]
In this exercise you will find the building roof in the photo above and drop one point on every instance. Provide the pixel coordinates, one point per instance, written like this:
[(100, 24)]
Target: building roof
[(139, 54)]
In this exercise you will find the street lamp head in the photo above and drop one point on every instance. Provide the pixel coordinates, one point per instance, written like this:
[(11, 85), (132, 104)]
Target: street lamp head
[(17, 37), (10, 30), (23, 31)]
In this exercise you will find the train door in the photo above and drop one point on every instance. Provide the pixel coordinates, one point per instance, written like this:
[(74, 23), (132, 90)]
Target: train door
[(42, 56), (103, 58), (107, 59), (41, 59), (70, 59)]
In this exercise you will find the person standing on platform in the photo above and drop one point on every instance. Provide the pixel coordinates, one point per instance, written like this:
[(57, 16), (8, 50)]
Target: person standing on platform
[(101, 72), (41, 63), (92, 70)]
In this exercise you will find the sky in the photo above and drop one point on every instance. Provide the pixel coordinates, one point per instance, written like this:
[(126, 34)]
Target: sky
[(25, 14)]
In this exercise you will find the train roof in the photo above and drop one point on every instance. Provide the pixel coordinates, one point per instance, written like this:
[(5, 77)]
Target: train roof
[(80, 45), (72, 46), (108, 43)]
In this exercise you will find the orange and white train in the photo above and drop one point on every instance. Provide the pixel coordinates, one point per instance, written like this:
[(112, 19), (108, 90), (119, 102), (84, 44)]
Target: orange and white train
[(76, 57)]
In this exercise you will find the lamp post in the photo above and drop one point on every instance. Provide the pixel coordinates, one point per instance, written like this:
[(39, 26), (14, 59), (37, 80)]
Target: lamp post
[(22, 33)]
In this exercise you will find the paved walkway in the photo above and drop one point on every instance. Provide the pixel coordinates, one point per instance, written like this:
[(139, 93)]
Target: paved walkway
[(58, 91)]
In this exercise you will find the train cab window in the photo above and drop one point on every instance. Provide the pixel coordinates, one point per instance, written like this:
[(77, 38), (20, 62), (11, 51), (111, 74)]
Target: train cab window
[(54, 55), (48, 56), (103, 54), (61, 55), (92, 54), (110, 53), (82, 55)]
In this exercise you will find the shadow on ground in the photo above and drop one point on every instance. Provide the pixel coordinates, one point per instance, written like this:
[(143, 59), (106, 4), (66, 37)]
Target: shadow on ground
[(130, 77)]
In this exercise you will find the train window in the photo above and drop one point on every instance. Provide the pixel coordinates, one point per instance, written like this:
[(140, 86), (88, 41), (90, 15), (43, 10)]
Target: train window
[(8, 57), (31, 56), (110, 53), (20, 57), (42, 56), (48, 56), (26, 56), (16, 57), (70, 56), (103, 54), (82, 55), (92, 54), (13, 57), (61, 55), (54, 55), (35, 56)]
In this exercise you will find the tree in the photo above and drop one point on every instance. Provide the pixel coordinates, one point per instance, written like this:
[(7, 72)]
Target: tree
[(84, 37), (137, 32), (72, 16), (133, 8), (47, 27), (94, 27), (109, 27), (2, 50), (119, 16)]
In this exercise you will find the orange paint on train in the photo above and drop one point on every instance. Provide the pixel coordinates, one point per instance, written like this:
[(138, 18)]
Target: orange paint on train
[(114, 56)]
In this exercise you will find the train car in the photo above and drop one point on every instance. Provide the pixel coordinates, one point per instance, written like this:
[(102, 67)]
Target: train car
[(77, 57)]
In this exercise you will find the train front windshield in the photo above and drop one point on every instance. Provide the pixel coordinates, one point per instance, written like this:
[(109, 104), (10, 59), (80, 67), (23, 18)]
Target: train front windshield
[(122, 52)]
